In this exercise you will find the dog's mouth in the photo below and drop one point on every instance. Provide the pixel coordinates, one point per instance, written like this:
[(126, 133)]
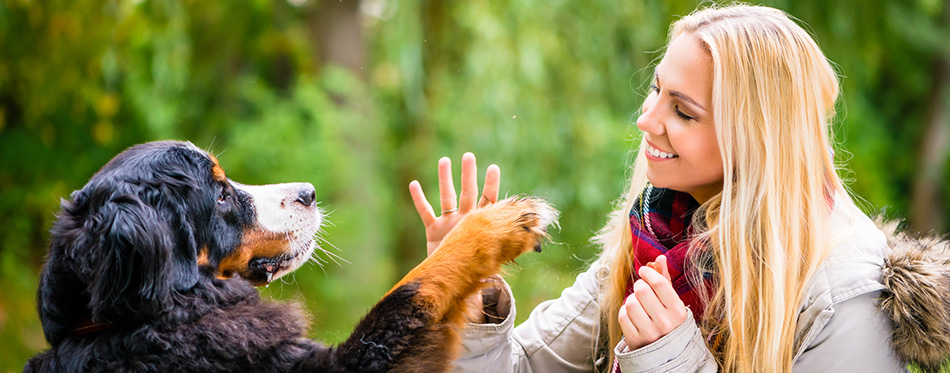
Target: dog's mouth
[(262, 270)]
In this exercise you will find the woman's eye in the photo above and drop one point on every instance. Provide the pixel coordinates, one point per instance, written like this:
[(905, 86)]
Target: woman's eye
[(681, 114), (656, 89)]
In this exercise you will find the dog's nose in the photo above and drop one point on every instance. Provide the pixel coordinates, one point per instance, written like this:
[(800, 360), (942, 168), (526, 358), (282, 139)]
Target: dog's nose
[(306, 195)]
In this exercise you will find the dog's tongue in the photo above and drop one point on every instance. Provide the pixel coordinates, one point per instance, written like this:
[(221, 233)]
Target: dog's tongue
[(266, 265)]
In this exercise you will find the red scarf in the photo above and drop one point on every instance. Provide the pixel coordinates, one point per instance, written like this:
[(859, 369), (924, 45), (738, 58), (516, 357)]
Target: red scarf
[(660, 225)]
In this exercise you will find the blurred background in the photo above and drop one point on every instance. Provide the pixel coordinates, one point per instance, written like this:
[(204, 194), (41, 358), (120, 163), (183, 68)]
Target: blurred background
[(361, 97)]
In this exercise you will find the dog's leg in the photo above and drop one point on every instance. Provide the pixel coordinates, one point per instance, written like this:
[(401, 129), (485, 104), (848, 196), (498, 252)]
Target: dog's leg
[(414, 328), (477, 248)]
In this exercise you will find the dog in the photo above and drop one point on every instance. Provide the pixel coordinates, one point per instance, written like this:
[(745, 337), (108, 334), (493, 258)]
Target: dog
[(152, 264)]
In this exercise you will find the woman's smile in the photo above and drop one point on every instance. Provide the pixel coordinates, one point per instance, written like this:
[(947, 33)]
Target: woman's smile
[(655, 154)]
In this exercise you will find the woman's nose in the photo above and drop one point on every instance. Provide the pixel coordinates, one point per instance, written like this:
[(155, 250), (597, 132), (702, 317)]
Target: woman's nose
[(648, 121)]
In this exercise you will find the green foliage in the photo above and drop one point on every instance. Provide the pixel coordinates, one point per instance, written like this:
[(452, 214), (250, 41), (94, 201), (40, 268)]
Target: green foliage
[(545, 89)]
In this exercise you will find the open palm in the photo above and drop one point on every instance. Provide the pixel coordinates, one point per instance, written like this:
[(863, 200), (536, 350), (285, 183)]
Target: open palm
[(452, 210)]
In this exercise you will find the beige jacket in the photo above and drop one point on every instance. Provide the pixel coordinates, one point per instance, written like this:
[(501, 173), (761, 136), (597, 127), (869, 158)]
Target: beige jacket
[(841, 327)]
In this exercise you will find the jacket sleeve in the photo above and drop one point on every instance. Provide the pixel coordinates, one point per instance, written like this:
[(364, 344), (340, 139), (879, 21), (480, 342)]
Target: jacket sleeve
[(560, 335), (855, 338), (682, 350)]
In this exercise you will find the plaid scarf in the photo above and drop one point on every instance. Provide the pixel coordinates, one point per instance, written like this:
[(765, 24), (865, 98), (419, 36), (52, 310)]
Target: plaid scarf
[(660, 225)]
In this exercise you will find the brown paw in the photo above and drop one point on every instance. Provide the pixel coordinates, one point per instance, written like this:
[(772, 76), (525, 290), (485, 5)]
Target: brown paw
[(505, 230)]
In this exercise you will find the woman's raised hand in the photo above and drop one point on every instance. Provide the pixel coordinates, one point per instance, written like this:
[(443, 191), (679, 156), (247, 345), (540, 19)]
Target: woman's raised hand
[(654, 309), (452, 211)]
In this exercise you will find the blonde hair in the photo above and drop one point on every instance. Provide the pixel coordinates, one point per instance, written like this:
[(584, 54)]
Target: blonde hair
[(763, 235)]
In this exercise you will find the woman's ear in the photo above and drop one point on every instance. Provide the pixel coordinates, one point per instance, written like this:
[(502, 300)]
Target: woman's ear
[(131, 260)]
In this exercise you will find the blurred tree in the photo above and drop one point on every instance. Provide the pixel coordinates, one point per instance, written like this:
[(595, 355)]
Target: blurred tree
[(935, 143), (337, 30)]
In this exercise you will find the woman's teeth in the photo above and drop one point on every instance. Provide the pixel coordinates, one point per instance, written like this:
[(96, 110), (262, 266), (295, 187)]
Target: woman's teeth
[(660, 154)]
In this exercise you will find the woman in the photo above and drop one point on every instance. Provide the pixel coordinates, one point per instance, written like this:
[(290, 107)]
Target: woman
[(736, 247)]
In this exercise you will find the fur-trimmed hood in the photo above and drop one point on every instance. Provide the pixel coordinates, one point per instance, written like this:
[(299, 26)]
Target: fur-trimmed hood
[(917, 296)]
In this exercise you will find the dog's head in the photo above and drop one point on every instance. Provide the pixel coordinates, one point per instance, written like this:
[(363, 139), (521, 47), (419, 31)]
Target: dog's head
[(140, 228)]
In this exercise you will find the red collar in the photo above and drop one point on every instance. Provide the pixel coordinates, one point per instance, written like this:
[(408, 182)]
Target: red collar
[(86, 326)]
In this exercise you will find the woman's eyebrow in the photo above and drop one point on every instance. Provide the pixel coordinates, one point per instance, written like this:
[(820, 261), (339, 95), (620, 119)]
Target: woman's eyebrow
[(678, 94), (686, 98)]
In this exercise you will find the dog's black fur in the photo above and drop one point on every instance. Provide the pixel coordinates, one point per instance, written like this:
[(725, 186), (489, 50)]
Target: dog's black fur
[(124, 254)]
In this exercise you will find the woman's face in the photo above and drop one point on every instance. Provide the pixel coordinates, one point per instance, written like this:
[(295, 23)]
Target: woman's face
[(677, 122)]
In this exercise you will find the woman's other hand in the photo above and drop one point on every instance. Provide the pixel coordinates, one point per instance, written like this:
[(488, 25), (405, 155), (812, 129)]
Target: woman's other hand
[(653, 309), (451, 212)]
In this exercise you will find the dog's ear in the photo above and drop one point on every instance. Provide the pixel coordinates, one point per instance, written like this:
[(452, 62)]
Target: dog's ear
[(132, 263), (184, 262)]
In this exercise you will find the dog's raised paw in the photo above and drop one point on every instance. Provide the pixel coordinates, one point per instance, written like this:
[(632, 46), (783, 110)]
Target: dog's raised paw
[(536, 217), (509, 227)]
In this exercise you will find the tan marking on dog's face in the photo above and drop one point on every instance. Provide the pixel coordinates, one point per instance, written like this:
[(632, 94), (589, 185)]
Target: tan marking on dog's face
[(203, 257), (216, 171), (256, 243)]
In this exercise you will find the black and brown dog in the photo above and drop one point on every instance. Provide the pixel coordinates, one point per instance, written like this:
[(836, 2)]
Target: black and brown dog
[(139, 275)]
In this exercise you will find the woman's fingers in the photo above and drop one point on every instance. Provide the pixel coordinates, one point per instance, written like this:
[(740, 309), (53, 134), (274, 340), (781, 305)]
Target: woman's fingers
[(449, 202), (492, 183), (661, 288), (468, 198), (637, 326), (664, 267), (626, 325), (648, 299), (654, 309), (645, 324), (447, 195), (422, 205)]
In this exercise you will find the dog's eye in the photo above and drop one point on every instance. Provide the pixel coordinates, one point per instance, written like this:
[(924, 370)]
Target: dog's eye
[(224, 197)]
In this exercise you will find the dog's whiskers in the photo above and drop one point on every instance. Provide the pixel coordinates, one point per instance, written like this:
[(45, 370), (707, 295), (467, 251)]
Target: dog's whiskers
[(330, 255)]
